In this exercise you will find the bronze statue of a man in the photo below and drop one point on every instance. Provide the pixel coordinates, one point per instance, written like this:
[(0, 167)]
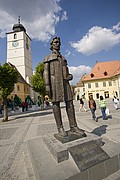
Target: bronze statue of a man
[(57, 79)]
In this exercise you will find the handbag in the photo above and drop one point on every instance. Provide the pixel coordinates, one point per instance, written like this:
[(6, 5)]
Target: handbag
[(107, 112)]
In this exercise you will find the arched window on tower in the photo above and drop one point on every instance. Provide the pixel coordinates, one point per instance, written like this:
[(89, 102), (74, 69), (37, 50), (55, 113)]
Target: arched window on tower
[(27, 46), (15, 36)]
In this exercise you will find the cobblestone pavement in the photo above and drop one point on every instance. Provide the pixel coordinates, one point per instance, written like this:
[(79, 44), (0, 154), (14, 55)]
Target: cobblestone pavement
[(15, 162)]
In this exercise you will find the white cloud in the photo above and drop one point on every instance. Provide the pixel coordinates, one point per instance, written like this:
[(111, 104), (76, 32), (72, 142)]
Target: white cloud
[(98, 39), (78, 71), (64, 16), (117, 27), (39, 17), (68, 53)]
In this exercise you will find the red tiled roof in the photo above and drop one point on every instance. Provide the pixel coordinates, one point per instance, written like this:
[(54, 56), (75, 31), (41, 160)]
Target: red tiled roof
[(103, 70)]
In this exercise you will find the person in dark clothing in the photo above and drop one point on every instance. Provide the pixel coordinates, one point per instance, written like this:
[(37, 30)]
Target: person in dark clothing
[(26, 105), (82, 105), (23, 106), (0, 109)]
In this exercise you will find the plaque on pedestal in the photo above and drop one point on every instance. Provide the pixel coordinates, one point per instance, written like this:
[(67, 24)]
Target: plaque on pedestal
[(87, 155)]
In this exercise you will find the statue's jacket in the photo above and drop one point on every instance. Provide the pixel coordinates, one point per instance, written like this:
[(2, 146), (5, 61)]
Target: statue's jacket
[(57, 77)]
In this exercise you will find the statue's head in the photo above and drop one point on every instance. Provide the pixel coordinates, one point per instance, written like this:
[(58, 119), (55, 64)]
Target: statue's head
[(55, 43)]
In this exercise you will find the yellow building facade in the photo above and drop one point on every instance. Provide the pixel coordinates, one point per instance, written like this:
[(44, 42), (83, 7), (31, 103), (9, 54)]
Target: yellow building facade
[(22, 90), (105, 87)]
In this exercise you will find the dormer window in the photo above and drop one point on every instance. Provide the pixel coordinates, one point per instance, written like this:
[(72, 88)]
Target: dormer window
[(92, 75), (105, 73)]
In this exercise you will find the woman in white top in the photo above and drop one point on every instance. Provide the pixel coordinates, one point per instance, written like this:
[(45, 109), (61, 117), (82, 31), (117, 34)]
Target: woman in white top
[(116, 102)]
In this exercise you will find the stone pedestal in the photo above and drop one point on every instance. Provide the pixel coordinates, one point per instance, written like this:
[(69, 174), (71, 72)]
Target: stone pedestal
[(86, 151), (78, 159)]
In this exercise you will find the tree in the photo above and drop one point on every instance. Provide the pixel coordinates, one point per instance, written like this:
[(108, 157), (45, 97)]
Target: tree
[(8, 77), (38, 83), (17, 100)]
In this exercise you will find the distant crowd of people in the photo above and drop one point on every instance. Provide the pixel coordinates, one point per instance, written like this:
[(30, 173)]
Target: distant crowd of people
[(16, 103), (102, 106), (91, 104)]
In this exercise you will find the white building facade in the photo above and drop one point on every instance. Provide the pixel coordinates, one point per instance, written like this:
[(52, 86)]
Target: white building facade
[(19, 51)]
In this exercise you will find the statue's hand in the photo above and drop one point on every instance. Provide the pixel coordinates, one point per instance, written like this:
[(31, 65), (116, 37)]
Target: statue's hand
[(48, 92)]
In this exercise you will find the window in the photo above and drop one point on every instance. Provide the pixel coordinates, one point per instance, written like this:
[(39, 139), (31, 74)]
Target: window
[(106, 94), (15, 36), (27, 46), (96, 85), (104, 84), (116, 93), (89, 85), (110, 83), (27, 39), (105, 73), (92, 75), (97, 95), (114, 83), (18, 88)]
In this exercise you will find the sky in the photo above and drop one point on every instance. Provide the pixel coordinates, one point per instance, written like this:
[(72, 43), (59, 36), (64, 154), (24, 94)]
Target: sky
[(89, 30)]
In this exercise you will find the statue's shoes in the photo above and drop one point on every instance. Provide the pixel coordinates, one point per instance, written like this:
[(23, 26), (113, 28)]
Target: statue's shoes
[(78, 131), (62, 132)]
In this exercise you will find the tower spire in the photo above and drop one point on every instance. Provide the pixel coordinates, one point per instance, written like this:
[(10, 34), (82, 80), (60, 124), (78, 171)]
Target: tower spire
[(18, 19), (18, 27)]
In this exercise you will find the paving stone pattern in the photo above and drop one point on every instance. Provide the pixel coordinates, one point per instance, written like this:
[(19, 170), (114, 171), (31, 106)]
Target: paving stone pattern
[(13, 156), (15, 163), (7, 133)]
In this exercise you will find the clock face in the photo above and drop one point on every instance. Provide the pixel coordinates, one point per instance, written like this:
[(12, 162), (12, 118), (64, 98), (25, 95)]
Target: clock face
[(15, 43)]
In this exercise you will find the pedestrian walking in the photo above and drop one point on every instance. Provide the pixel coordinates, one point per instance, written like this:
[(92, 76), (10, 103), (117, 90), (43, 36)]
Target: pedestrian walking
[(23, 106), (116, 102), (26, 106), (92, 106), (82, 105), (0, 109), (102, 105)]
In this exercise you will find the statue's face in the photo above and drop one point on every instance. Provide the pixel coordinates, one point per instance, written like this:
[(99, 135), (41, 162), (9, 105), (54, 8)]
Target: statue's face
[(56, 44)]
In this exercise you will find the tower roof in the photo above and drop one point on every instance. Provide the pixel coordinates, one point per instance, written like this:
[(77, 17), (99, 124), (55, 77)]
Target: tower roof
[(18, 27)]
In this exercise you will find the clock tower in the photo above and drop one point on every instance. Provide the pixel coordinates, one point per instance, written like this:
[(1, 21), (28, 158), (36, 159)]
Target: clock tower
[(19, 50)]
